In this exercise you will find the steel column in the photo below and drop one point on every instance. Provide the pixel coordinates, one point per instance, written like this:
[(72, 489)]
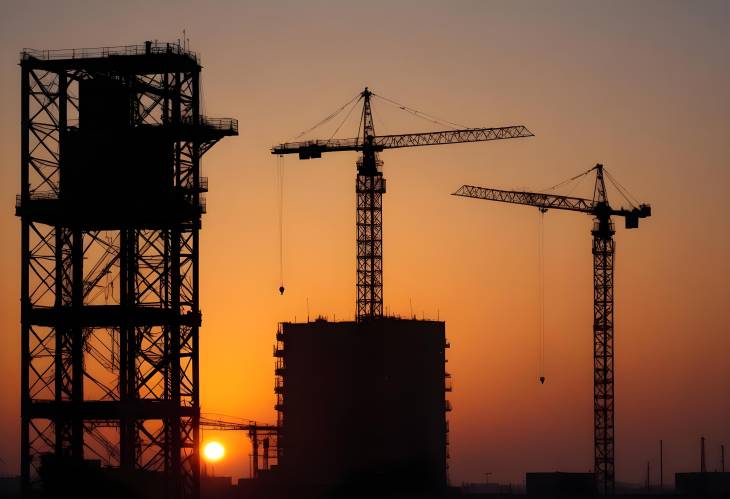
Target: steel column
[(370, 189), (603, 369)]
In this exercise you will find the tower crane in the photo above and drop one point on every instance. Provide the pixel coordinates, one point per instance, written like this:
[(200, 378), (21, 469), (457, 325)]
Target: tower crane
[(603, 305), (370, 187)]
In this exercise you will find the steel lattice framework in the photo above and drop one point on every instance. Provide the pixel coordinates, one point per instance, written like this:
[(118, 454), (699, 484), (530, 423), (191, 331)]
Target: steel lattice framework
[(109, 278), (603, 374), (603, 258), (370, 187)]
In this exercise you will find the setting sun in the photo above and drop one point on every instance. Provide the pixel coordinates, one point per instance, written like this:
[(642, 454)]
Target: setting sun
[(214, 451)]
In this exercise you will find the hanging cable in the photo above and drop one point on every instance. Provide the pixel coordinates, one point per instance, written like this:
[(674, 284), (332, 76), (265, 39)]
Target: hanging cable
[(280, 203), (541, 294)]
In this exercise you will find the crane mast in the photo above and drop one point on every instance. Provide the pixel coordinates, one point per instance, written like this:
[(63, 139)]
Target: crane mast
[(370, 187), (603, 249)]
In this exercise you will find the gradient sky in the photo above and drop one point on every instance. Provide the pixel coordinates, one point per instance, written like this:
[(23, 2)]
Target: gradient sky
[(640, 86)]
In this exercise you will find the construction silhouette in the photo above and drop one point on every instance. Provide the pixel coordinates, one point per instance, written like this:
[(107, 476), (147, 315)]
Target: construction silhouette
[(603, 253), (110, 206)]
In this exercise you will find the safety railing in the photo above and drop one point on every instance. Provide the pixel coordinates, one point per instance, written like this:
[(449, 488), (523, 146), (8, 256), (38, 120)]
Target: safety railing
[(96, 52), (36, 196), (222, 124)]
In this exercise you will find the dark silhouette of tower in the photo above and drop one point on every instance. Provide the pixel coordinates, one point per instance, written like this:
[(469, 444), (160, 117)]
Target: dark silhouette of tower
[(110, 207)]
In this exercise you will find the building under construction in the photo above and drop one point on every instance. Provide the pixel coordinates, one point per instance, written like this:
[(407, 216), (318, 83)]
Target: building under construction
[(362, 406), (110, 206)]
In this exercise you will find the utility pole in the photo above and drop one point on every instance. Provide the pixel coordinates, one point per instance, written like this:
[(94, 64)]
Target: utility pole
[(661, 465), (648, 476), (722, 458), (703, 468)]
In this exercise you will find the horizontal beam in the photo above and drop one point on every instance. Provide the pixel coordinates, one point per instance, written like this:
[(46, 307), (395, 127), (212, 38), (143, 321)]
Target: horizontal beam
[(109, 409), (452, 137), (536, 199), (314, 148), (100, 316)]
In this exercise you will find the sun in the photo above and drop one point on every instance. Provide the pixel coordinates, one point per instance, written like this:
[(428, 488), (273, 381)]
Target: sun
[(214, 451)]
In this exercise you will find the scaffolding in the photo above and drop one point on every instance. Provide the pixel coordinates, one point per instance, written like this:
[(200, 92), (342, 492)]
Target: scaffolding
[(110, 207)]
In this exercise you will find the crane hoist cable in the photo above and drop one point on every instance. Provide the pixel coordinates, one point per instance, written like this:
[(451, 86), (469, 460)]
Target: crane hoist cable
[(280, 208), (541, 294)]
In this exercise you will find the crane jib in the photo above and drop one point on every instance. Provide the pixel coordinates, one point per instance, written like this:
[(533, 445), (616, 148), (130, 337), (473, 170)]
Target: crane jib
[(314, 148), (555, 202)]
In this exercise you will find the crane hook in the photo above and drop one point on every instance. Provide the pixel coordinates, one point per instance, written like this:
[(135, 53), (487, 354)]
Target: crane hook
[(542, 380), (281, 290)]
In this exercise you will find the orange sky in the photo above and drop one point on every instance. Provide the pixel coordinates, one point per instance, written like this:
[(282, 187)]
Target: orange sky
[(640, 87)]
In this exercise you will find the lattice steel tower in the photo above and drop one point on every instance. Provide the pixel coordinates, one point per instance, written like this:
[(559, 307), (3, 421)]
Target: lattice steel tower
[(110, 207)]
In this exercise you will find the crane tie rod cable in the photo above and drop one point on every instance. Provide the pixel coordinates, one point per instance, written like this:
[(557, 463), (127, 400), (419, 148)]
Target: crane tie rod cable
[(571, 179), (633, 202), (421, 114), (347, 116)]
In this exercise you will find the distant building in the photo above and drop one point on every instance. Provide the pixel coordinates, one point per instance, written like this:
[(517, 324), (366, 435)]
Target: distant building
[(218, 487), (485, 489), (558, 484), (707, 484), (362, 406)]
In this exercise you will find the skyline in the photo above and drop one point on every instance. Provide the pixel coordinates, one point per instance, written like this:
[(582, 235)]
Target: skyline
[(646, 102)]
